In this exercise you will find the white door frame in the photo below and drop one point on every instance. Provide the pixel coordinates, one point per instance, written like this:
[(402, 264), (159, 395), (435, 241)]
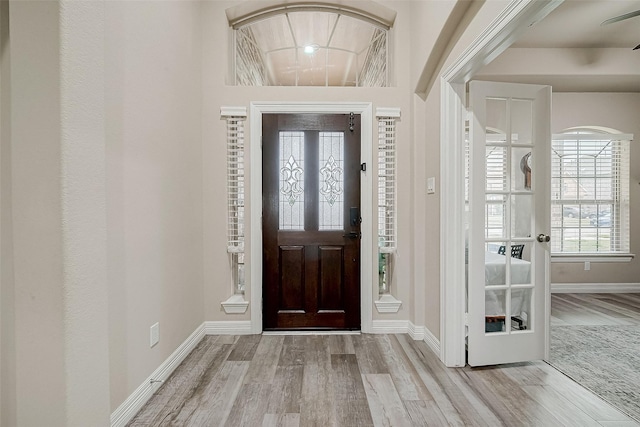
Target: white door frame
[(368, 252), (504, 30)]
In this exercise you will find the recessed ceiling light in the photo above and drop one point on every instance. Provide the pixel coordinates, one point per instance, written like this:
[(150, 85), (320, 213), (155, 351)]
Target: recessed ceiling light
[(311, 49)]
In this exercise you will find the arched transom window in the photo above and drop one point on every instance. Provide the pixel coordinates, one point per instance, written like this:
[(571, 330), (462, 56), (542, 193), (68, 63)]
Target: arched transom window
[(311, 46)]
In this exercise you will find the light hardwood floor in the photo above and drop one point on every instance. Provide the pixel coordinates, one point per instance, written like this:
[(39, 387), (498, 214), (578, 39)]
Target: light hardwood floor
[(361, 380), (595, 309)]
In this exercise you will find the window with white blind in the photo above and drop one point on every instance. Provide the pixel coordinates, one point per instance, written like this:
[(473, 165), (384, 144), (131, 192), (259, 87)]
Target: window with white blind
[(386, 195), (235, 119), (590, 193)]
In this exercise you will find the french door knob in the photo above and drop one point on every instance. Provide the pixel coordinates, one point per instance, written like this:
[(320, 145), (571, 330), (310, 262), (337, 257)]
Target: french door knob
[(542, 238)]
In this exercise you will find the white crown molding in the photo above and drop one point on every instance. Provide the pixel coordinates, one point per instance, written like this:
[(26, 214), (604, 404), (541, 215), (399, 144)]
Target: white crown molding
[(130, 407), (235, 305), (599, 288)]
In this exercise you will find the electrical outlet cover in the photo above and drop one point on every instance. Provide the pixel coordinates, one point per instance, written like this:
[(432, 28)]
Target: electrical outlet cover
[(155, 334)]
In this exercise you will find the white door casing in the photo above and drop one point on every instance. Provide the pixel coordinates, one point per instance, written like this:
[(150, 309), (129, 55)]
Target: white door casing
[(510, 141), (504, 30), (369, 251)]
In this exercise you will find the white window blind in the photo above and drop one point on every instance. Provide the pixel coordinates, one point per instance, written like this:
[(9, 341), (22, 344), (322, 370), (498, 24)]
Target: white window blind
[(387, 183), (590, 193), (387, 203), (235, 183), (235, 118)]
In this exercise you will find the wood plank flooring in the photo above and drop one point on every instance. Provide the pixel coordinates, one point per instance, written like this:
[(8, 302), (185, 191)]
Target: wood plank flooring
[(364, 380), (595, 309)]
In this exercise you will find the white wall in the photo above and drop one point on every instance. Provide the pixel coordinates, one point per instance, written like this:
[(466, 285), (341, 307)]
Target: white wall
[(217, 93), (37, 222), (154, 183), (7, 324), (57, 208), (617, 111), (469, 22), (165, 73)]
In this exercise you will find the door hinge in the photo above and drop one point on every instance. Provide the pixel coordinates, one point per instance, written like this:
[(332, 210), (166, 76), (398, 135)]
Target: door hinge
[(466, 319), (363, 167), (351, 122)]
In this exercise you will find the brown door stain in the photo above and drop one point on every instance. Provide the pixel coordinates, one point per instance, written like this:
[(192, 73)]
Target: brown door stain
[(311, 221)]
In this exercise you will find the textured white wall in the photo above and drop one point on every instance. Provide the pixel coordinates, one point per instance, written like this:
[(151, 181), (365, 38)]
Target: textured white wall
[(162, 214), (84, 234), (153, 85), (58, 197), (37, 214), (217, 93), (617, 111), (7, 323)]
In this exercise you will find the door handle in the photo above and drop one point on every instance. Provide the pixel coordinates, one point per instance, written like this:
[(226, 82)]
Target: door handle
[(353, 235), (542, 238)]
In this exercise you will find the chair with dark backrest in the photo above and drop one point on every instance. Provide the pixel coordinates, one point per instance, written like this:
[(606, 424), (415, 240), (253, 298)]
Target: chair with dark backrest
[(516, 251)]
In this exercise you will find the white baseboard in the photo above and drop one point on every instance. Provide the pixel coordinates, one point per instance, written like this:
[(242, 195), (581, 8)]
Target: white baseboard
[(390, 327), (231, 327), (585, 288), (415, 332), (407, 327), (432, 342), (130, 407)]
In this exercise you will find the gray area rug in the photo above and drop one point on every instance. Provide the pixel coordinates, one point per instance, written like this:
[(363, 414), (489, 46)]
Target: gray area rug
[(604, 359)]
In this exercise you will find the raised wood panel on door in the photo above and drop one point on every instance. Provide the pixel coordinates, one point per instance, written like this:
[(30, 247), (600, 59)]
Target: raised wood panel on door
[(311, 277)]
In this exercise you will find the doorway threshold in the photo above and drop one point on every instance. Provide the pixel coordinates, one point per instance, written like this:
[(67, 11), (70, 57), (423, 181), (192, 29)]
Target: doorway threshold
[(294, 332)]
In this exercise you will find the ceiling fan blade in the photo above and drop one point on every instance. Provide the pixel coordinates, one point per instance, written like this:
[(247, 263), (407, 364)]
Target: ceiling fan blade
[(621, 17), (637, 47)]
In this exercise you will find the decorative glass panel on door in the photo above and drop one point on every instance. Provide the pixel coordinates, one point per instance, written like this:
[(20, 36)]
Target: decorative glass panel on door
[(291, 158), (331, 183)]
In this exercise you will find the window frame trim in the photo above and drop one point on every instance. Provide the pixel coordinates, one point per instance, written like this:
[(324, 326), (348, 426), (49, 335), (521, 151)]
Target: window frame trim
[(604, 257)]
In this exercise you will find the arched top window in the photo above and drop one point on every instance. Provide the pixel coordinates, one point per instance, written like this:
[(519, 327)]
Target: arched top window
[(311, 45), (590, 191)]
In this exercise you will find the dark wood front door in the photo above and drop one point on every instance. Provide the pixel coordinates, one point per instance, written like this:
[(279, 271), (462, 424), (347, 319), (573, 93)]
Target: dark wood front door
[(311, 221)]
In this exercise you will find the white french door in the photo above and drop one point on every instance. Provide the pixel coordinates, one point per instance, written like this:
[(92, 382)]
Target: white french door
[(509, 208)]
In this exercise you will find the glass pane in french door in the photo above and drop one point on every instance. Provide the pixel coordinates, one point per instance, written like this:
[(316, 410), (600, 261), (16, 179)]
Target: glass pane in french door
[(509, 207)]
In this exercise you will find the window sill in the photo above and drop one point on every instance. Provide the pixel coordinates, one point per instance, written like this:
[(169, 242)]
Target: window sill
[(235, 305), (387, 304), (613, 257)]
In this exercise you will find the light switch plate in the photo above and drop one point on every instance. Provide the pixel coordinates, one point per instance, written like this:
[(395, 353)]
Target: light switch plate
[(431, 185)]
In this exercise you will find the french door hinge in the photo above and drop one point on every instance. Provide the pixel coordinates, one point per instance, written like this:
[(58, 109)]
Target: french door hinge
[(351, 122), (363, 167)]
